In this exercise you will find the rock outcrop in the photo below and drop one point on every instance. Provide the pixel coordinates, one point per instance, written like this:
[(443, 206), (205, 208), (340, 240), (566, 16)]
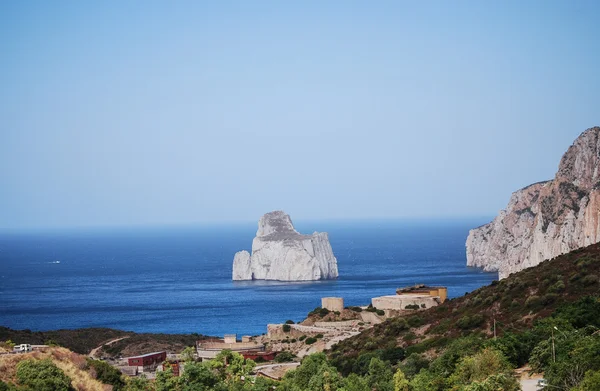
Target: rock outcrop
[(545, 219), (279, 252)]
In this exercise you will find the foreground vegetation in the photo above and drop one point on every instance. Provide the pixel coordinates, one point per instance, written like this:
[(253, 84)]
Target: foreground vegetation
[(547, 317)]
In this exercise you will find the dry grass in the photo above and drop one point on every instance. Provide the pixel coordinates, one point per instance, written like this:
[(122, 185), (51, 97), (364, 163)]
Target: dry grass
[(72, 364)]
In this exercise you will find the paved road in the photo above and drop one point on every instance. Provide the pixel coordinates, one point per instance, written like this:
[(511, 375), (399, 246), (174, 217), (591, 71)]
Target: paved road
[(529, 385)]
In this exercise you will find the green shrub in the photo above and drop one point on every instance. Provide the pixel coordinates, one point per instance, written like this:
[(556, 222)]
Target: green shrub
[(575, 277), (310, 340), (42, 375), (286, 328), (395, 326), (107, 374), (302, 338), (284, 356), (409, 337), (319, 336), (533, 302), (557, 287), (470, 322), (411, 307), (393, 355), (589, 280), (415, 321), (321, 312), (289, 321), (548, 298), (380, 312)]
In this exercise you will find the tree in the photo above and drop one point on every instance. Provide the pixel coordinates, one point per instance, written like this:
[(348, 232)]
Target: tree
[(198, 376), (42, 375), (165, 380), (7, 387), (380, 375), (591, 382), (188, 354), (355, 383), (138, 384), (327, 378), (479, 367), (500, 381), (232, 366), (400, 382), (413, 365)]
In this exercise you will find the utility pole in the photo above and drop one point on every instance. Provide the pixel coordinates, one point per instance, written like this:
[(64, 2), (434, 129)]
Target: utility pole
[(553, 351)]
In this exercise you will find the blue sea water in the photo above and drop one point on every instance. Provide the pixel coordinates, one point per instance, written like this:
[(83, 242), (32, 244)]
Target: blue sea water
[(178, 279)]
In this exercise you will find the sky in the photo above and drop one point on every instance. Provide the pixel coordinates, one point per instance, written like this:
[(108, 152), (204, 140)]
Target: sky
[(154, 112)]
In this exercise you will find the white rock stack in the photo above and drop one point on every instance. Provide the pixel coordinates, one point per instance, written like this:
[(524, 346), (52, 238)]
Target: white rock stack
[(545, 219), (279, 252)]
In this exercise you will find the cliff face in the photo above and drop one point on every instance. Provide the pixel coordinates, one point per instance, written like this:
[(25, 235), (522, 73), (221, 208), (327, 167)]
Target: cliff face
[(545, 219), (279, 252)]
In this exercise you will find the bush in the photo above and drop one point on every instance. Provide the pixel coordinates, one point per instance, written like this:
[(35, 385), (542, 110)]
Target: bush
[(259, 359), (470, 322), (409, 337), (321, 312), (355, 309), (42, 375), (107, 374), (548, 298), (302, 338), (284, 356), (557, 287), (319, 336), (289, 322), (589, 280), (533, 302), (415, 321), (393, 355), (286, 328), (380, 312), (411, 307), (310, 340)]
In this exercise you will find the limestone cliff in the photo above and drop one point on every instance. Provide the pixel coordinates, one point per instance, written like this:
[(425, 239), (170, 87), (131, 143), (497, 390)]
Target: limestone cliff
[(279, 252), (545, 219)]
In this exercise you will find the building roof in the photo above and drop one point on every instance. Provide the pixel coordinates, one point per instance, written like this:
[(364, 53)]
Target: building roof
[(147, 355), (418, 288)]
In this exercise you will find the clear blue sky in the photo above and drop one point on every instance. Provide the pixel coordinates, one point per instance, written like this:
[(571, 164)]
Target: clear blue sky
[(152, 112)]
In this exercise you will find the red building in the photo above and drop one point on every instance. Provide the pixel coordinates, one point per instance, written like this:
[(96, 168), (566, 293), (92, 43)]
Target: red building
[(253, 355), (147, 360)]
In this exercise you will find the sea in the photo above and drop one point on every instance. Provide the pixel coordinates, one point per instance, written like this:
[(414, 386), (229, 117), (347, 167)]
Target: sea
[(178, 279)]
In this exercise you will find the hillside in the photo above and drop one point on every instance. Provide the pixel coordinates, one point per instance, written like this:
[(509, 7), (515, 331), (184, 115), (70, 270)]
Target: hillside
[(57, 368), (515, 303), (82, 341)]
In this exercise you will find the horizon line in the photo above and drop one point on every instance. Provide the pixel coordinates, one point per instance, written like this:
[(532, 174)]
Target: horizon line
[(215, 223)]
